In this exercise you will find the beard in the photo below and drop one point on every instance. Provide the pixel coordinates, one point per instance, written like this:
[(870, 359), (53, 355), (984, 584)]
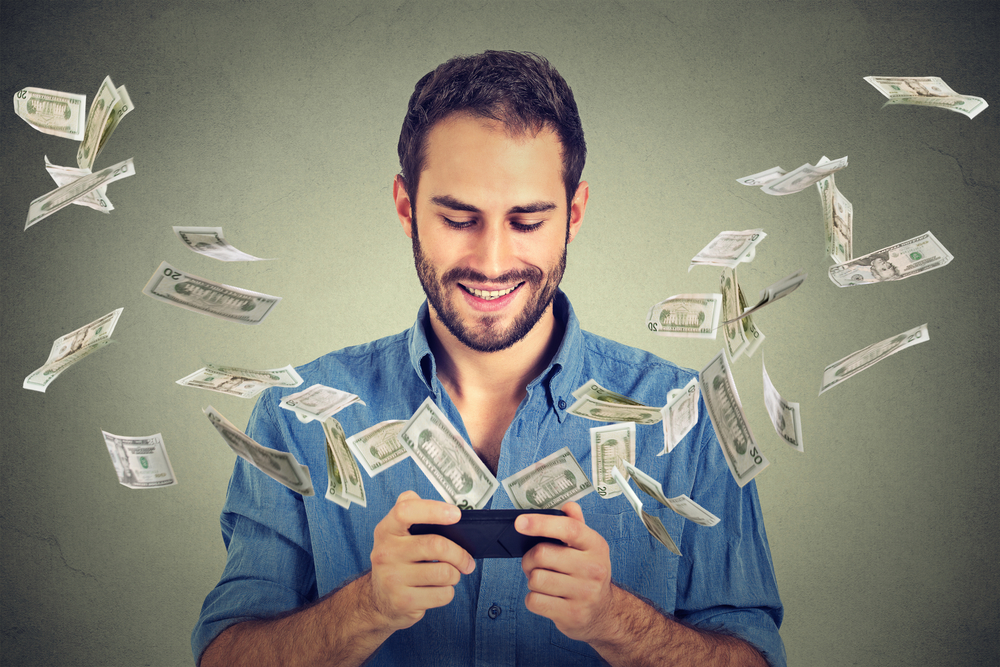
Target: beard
[(486, 333)]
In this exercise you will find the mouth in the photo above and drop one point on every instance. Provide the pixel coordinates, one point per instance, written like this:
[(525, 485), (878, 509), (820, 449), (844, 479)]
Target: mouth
[(489, 295)]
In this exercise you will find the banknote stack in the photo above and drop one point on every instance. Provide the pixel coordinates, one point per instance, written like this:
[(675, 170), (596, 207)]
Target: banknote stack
[(443, 455), (784, 414), (838, 218), (210, 242), (240, 382), (652, 523), (141, 463), (775, 181), (867, 357), (929, 91), (548, 483), (686, 316), (71, 348), (279, 466), (682, 504), (680, 414), (729, 249), (909, 258), (378, 448), (203, 296), (599, 404), (740, 333), (344, 485), (318, 402), (610, 446)]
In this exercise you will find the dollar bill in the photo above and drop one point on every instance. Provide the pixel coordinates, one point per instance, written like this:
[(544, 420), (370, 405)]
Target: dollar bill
[(729, 249), (207, 297), (739, 448), (740, 333), (345, 483), (548, 483), (751, 331), (799, 179), (209, 241), (784, 414), (279, 466), (599, 404), (838, 218), (762, 177), (772, 293), (609, 447), (865, 358), (686, 316), (680, 414), (377, 448), (447, 460), (909, 258), (121, 108), (97, 118), (52, 112), (140, 462), (71, 348), (240, 382), (96, 199), (652, 523), (63, 196), (928, 91), (318, 402), (681, 504)]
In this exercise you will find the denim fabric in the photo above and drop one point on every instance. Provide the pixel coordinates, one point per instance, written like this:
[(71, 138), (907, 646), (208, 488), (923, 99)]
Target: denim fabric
[(285, 550)]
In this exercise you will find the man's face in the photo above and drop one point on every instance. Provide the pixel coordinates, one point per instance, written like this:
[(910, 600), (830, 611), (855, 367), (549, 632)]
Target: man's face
[(491, 246)]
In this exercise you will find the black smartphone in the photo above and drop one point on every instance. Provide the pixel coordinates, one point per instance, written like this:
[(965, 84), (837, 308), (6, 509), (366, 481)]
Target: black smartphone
[(488, 533)]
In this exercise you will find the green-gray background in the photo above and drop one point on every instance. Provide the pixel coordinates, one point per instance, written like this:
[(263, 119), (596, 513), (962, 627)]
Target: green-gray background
[(278, 122)]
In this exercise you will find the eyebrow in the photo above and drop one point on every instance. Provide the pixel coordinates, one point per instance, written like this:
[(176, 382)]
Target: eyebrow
[(450, 202)]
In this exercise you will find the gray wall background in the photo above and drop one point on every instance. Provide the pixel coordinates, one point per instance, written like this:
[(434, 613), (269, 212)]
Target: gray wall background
[(278, 122)]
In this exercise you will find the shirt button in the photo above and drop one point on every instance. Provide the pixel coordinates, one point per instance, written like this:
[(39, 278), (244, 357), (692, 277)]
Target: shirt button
[(494, 611), (562, 404)]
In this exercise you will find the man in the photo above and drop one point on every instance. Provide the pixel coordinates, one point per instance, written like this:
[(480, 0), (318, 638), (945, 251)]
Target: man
[(490, 194)]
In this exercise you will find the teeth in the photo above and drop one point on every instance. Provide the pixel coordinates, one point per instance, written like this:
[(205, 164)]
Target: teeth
[(490, 295)]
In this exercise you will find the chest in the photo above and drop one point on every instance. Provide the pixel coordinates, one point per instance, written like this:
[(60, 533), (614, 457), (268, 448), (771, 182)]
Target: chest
[(486, 425)]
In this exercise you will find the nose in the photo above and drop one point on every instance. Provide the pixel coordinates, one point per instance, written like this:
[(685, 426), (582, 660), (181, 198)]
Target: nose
[(493, 255)]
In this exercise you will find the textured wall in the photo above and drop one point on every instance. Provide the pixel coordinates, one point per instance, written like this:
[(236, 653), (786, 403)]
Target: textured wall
[(278, 121)]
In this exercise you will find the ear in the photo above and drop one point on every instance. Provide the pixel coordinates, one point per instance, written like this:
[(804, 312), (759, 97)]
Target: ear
[(404, 208), (576, 209)]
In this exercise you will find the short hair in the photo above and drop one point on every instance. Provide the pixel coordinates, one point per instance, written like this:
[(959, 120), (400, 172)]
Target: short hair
[(519, 89)]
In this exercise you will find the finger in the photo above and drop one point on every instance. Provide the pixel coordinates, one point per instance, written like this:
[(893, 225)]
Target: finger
[(424, 548), (422, 575), (570, 530), (410, 509)]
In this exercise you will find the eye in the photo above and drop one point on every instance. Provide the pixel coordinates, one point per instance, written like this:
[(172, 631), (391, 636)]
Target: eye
[(458, 224), (526, 227)]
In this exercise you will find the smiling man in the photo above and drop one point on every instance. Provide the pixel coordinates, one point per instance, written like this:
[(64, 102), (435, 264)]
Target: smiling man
[(490, 194)]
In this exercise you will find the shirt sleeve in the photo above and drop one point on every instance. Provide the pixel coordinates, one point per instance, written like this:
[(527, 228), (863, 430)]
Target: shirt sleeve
[(269, 563)]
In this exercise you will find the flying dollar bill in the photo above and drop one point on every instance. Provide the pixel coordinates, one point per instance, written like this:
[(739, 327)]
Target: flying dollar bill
[(71, 348), (279, 466), (729, 249), (140, 462), (772, 293), (762, 177), (897, 262), (97, 118), (740, 333), (207, 297), (681, 504), (929, 91), (686, 316), (652, 523), (799, 179), (838, 218), (96, 199), (443, 455), (548, 483), (318, 402), (784, 414), (63, 196), (377, 448), (599, 404), (121, 108), (609, 447), (865, 358), (209, 241), (240, 382), (680, 414), (345, 484), (739, 448), (52, 112)]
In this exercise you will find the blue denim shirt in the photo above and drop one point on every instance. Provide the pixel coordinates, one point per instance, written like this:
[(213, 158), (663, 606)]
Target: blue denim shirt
[(285, 550)]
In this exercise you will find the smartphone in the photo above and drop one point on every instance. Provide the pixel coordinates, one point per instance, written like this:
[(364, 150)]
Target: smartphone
[(488, 533)]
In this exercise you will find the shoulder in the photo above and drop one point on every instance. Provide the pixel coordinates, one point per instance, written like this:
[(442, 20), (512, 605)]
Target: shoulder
[(630, 370), (358, 363)]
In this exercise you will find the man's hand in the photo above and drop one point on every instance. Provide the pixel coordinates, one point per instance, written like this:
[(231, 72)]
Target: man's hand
[(413, 573), (571, 585)]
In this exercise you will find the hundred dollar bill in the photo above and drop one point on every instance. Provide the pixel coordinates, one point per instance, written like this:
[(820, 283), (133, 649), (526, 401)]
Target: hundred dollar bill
[(548, 483), (909, 258), (97, 118), (772, 293), (838, 218), (61, 197), (141, 463), (762, 177), (121, 108), (799, 179), (609, 447), (928, 91), (241, 382), (680, 414), (377, 447), (95, 199), (52, 112), (71, 348), (784, 414), (209, 241), (865, 358), (652, 523), (207, 297), (739, 448), (686, 316), (599, 404), (279, 466), (451, 465), (345, 483), (729, 249), (682, 504), (318, 402)]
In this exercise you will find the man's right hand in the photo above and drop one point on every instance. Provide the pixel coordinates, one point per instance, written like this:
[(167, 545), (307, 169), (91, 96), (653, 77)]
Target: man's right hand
[(413, 573)]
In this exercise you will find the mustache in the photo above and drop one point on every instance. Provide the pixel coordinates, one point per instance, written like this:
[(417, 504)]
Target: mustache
[(458, 274)]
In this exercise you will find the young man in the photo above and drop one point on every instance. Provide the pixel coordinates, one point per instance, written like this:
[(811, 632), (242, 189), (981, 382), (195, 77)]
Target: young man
[(490, 194)]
